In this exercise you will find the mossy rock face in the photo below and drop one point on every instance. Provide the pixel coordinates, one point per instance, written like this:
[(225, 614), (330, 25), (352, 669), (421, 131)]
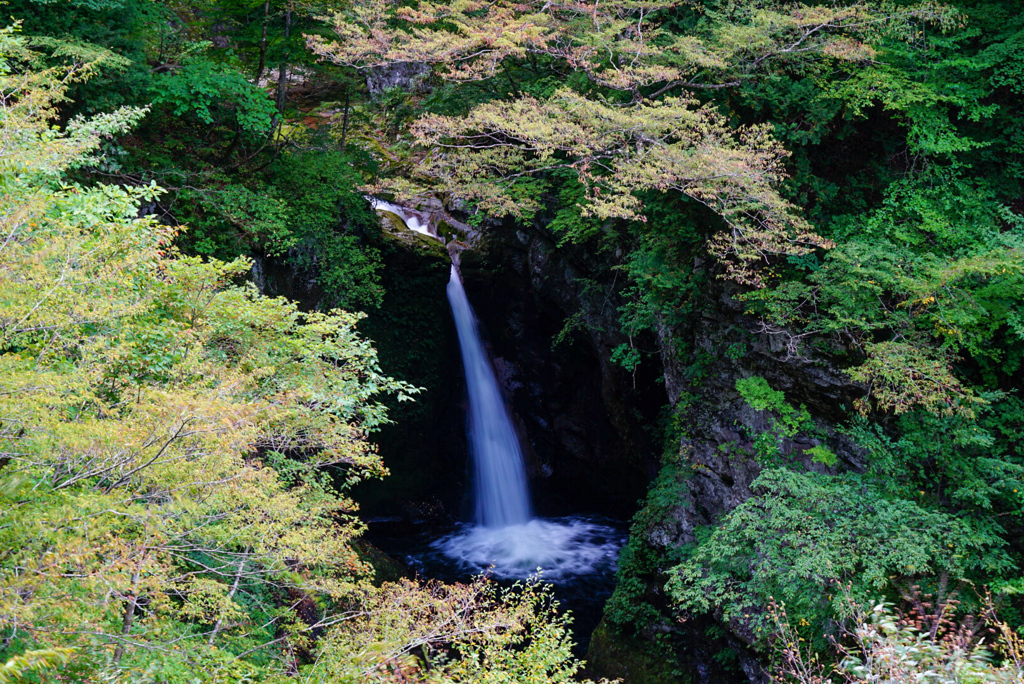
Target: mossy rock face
[(395, 231), (619, 656), (392, 222), (385, 568), (449, 232), (414, 337)]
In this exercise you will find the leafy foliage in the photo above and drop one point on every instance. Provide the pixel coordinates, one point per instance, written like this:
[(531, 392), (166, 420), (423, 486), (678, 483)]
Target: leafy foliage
[(800, 533), (619, 132), (469, 633), (882, 644), (787, 421), (854, 168), (173, 440), (171, 449), (199, 82)]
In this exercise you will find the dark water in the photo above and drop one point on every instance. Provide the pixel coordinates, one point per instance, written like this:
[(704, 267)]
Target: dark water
[(576, 555)]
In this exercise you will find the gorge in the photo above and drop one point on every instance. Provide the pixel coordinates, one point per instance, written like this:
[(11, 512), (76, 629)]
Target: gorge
[(505, 540)]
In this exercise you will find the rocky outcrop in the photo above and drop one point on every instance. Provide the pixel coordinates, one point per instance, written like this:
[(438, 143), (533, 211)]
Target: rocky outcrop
[(409, 76), (703, 358), (283, 276), (424, 447), (726, 345)]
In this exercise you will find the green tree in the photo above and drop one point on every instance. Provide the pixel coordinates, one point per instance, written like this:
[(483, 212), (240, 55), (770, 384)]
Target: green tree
[(175, 449)]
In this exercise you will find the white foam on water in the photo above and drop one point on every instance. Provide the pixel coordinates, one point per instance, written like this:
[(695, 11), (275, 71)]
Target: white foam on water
[(559, 548)]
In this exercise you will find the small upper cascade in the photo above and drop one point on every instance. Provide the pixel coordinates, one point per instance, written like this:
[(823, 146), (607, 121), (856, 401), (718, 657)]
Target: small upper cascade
[(412, 220)]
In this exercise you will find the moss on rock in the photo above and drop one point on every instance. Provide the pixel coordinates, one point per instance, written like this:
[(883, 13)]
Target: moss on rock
[(385, 568), (412, 332), (613, 654)]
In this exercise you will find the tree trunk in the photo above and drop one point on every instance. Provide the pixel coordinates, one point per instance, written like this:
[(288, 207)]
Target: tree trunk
[(231, 595), (263, 43), (344, 123), (282, 73), (129, 617)]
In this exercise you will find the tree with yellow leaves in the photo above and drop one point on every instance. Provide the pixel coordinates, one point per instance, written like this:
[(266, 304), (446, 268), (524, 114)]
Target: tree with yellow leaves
[(622, 128), (175, 448)]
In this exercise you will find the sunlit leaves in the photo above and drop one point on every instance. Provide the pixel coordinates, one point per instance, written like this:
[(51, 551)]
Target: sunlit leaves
[(175, 451), (668, 145), (623, 135), (450, 633), (144, 398), (901, 376), (619, 45)]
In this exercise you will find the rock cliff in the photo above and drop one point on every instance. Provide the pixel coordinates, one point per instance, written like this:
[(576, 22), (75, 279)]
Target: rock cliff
[(552, 315), (710, 461)]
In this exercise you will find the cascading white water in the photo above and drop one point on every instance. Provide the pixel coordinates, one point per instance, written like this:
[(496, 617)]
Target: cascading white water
[(502, 497), (411, 221), (506, 540)]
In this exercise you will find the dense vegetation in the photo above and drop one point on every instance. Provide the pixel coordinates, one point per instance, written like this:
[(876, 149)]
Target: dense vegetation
[(855, 169), (176, 448)]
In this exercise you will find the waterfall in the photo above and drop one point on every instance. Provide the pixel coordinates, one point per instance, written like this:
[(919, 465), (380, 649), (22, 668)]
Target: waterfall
[(506, 540), (410, 219), (501, 494)]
